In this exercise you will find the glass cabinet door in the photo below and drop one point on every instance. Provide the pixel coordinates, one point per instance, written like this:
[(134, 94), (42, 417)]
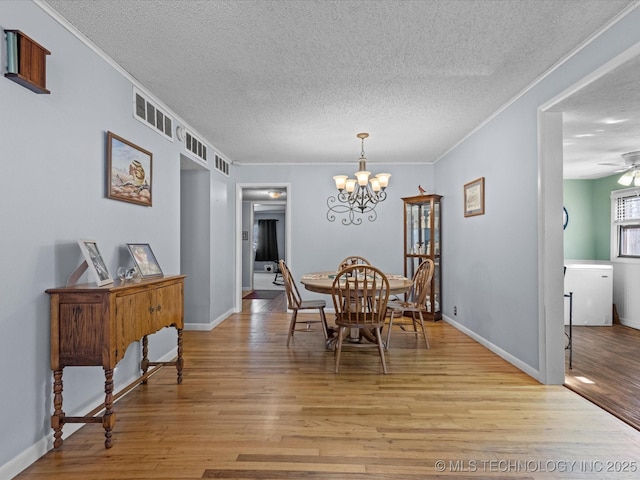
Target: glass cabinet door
[(422, 241)]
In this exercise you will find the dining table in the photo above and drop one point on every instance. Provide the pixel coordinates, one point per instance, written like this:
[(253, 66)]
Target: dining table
[(322, 282)]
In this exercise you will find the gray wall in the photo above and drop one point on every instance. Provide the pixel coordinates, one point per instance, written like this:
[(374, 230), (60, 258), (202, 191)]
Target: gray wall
[(490, 265), (195, 244), (318, 244), (247, 245), (53, 152)]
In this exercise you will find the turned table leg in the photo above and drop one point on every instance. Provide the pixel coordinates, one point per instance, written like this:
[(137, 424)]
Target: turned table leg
[(179, 361), (57, 419), (144, 364), (109, 417)]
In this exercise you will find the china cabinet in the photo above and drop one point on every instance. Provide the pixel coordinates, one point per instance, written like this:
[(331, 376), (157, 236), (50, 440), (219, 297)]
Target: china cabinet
[(422, 240)]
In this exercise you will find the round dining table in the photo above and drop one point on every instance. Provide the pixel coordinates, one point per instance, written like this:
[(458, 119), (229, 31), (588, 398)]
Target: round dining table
[(321, 282)]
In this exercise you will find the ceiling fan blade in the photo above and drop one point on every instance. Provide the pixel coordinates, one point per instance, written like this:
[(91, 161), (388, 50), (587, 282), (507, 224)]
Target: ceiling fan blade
[(623, 167)]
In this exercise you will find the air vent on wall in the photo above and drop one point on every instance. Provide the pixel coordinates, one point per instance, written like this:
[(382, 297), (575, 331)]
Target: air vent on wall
[(222, 165), (195, 145), (151, 115)]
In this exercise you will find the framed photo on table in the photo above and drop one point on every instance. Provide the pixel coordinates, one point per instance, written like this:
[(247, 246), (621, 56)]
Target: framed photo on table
[(474, 198), (95, 262), (145, 260)]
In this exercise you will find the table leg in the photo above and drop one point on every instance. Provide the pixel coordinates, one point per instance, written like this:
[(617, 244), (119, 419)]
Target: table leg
[(57, 419), (109, 417), (354, 335), (144, 363), (179, 361)]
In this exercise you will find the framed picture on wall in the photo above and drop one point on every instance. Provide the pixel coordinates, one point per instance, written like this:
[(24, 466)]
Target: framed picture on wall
[(145, 260), (95, 262), (474, 198), (128, 171)]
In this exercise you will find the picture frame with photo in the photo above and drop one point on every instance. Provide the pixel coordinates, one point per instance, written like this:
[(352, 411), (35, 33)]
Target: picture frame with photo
[(145, 260), (95, 262), (474, 198), (129, 170)]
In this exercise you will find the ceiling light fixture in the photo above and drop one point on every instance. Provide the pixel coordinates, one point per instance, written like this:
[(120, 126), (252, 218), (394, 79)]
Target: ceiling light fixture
[(632, 175), (358, 196)]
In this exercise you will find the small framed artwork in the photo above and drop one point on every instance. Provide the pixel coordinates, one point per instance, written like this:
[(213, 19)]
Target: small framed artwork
[(474, 198), (245, 235), (128, 171), (145, 260), (95, 262)]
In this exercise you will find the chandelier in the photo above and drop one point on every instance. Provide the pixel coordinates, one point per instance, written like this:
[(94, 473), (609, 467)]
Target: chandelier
[(358, 196)]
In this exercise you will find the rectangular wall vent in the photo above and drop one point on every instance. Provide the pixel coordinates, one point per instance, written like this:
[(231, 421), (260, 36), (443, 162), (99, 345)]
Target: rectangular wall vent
[(222, 165), (195, 145), (151, 115)]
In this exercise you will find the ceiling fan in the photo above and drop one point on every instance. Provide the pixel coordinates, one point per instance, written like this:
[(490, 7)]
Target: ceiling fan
[(631, 168)]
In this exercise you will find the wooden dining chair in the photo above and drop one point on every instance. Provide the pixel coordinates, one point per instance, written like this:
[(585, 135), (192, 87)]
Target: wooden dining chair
[(360, 295), (295, 303), (417, 303), (353, 260)]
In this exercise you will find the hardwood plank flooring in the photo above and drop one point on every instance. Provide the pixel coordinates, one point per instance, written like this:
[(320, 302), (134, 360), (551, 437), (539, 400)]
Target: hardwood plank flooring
[(251, 408), (609, 357)]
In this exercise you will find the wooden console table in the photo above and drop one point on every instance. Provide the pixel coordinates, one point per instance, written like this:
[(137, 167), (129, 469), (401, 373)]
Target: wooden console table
[(93, 326)]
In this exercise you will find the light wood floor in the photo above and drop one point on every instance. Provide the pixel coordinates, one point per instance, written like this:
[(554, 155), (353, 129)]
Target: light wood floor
[(251, 408)]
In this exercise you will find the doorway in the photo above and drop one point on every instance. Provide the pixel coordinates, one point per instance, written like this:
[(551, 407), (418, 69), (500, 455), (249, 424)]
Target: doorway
[(253, 201), (602, 95)]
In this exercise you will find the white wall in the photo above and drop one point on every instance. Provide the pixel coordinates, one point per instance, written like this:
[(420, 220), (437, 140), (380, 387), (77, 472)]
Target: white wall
[(626, 285)]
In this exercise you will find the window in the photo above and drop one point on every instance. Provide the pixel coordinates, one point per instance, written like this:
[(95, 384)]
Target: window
[(625, 205)]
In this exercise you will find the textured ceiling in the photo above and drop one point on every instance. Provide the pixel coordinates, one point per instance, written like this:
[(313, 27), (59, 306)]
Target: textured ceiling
[(601, 122), (294, 81)]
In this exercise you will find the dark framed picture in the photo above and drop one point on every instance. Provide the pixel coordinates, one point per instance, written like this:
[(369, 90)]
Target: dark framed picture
[(474, 198), (95, 262), (129, 169), (145, 260)]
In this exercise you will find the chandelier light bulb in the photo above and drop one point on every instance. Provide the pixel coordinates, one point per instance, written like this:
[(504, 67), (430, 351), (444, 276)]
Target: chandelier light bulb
[(383, 178), (363, 177), (351, 185), (341, 181)]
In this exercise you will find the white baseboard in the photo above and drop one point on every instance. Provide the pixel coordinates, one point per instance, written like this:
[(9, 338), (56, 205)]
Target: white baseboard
[(630, 323), (17, 464), (210, 325)]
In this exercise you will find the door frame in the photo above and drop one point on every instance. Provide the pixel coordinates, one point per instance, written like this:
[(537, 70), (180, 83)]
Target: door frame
[(238, 235), (551, 366)]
